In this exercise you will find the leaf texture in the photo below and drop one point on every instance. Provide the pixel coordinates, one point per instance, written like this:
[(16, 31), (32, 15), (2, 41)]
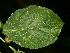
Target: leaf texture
[(33, 27)]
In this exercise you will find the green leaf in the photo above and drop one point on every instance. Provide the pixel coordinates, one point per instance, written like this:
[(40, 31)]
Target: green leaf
[(33, 27)]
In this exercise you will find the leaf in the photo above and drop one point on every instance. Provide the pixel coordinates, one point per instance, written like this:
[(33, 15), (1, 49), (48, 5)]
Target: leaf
[(33, 27)]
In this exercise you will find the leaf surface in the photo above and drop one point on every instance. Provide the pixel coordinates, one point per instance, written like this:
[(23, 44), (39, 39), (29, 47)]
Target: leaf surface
[(33, 27)]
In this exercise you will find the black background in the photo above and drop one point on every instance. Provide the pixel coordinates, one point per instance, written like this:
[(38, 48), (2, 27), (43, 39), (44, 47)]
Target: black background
[(60, 7)]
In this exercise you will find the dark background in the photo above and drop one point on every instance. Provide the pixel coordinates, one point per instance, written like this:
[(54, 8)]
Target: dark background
[(60, 7)]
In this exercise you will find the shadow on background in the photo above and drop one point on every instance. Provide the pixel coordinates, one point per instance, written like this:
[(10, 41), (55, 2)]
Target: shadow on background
[(62, 45)]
